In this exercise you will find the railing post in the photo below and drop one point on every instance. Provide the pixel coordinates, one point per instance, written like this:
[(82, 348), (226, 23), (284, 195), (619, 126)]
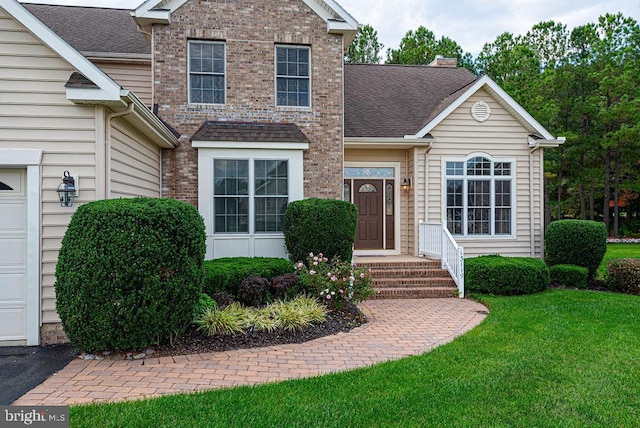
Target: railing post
[(443, 237), (461, 273)]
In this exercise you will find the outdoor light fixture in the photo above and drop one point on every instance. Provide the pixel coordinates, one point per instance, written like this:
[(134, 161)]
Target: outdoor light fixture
[(406, 184), (67, 190)]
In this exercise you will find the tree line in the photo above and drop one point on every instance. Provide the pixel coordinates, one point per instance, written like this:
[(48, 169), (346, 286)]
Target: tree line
[(583, 84)]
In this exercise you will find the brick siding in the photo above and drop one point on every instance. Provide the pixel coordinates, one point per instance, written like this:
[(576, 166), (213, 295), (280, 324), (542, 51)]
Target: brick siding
[(251, 30)]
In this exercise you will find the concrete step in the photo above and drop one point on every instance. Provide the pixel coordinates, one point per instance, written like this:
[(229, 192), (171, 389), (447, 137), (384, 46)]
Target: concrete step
[(409, 273)]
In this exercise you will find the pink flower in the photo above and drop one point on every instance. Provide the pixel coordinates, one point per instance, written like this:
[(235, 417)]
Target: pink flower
[(351, 278), (315, 259), (312, 272), (320, 254), (341, 291), (362, 275), (328, 296), (300, 265), (355, 265), (334, 278), (310, 254), (315, 263), (326, 260), (328, 273)]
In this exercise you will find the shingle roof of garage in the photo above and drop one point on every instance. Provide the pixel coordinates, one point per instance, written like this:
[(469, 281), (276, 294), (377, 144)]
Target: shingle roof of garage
[(397, 100), (92, 29)]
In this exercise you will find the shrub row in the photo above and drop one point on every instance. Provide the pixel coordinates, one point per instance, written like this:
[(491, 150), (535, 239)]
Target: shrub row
[(505, 276), (226, 274)]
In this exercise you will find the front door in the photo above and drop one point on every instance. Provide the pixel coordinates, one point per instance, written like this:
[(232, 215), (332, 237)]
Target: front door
[(369, 197)]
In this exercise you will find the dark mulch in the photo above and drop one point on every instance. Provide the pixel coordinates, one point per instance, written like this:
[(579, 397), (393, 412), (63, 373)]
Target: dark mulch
[(194, 341)]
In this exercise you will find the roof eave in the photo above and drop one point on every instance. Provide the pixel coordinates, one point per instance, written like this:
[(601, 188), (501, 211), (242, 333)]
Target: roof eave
[(388, 142)]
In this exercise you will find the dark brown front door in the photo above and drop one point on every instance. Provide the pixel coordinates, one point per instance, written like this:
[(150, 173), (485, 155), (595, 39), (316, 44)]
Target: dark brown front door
[(368, 196)]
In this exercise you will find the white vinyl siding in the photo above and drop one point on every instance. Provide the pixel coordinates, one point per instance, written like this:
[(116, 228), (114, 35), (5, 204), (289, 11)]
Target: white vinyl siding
[(501, 136), (35, 114), (135, 163), (134, 77)]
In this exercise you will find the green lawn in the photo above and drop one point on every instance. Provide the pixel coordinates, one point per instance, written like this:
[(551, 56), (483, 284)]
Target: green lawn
[(617, 251), (560, 358)]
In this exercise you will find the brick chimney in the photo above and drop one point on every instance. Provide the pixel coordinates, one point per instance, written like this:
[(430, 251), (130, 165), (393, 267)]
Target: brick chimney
[(441, 61)]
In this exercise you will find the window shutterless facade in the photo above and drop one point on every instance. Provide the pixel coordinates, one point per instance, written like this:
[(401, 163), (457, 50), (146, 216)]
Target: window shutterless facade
[(293, 76), (250, 196), (207, 72), (479, 196)]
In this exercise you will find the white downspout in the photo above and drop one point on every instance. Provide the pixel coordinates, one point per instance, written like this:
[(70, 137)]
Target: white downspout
[(107, 148), (531, 200)]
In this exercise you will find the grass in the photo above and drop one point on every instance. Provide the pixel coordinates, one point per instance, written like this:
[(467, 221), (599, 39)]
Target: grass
[(559, 358), (617, 251)]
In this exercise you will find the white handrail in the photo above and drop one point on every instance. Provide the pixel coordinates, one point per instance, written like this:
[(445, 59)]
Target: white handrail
[(436, 241)]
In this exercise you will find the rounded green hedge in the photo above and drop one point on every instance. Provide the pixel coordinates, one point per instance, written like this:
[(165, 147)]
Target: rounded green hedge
[(505, 276), (227, 273), (129, 272), (576, 242), (316, 226), (570, 276)]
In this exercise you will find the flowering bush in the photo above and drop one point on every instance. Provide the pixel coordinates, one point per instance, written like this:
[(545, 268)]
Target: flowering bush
[(335, 282)]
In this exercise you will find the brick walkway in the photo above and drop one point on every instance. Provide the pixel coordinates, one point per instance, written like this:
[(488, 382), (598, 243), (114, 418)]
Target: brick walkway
[(396, 328)]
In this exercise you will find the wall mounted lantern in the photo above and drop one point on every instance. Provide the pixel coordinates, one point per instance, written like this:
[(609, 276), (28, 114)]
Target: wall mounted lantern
[(406, 184), (67, 190)]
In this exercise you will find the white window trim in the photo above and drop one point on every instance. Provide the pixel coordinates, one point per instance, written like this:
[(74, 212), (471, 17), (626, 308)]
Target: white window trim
[(492, 179), (251, 196), (207, 152), (211, 42), (275, 80)]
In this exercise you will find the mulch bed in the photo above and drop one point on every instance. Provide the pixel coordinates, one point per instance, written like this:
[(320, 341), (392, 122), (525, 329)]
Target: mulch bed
[(195, 342)]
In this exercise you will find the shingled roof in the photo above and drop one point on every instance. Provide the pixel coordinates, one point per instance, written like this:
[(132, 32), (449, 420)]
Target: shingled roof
[(92, 29), (392, 101), (252, 132)]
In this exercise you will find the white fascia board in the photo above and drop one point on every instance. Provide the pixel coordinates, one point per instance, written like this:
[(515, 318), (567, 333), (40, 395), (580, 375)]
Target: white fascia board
[(90, 96), (248, 145), (334, 12), (147, 14), (62, 48), (386, 143), (485, 80)]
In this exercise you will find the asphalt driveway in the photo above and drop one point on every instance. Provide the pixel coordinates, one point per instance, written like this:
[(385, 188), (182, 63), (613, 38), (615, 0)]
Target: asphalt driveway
[(22, 368)]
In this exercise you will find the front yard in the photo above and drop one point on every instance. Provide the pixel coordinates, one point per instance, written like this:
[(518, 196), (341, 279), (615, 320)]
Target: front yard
[(559, 357)]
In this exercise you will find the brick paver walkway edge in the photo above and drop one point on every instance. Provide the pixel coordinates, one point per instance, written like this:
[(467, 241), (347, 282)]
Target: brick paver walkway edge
[(396, 329)]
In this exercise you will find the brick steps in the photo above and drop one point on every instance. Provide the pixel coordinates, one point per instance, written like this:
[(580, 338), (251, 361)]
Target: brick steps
[(418, 279)]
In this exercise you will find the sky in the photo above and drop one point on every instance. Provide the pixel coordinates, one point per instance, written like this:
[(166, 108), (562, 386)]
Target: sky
[(471, 23)]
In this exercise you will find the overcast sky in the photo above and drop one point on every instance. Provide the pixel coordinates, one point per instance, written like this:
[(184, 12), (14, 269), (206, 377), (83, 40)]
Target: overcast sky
[(471, 23)]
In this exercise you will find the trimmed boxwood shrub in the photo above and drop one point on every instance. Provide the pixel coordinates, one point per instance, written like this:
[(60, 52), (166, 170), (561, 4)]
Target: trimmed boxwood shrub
[(623, 275), (129, 272), (505, 276), (226, 274), (570, 276), (316, 226), (576, 242)]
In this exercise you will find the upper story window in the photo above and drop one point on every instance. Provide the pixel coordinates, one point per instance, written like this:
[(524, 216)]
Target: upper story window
[(479, 197), (293, 76), (206, 72)]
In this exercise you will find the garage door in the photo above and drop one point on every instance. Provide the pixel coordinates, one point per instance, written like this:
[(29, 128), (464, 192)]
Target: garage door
[(13, 255)]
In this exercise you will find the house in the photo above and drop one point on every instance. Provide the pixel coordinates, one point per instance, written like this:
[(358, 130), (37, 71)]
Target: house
[(239, 108)]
